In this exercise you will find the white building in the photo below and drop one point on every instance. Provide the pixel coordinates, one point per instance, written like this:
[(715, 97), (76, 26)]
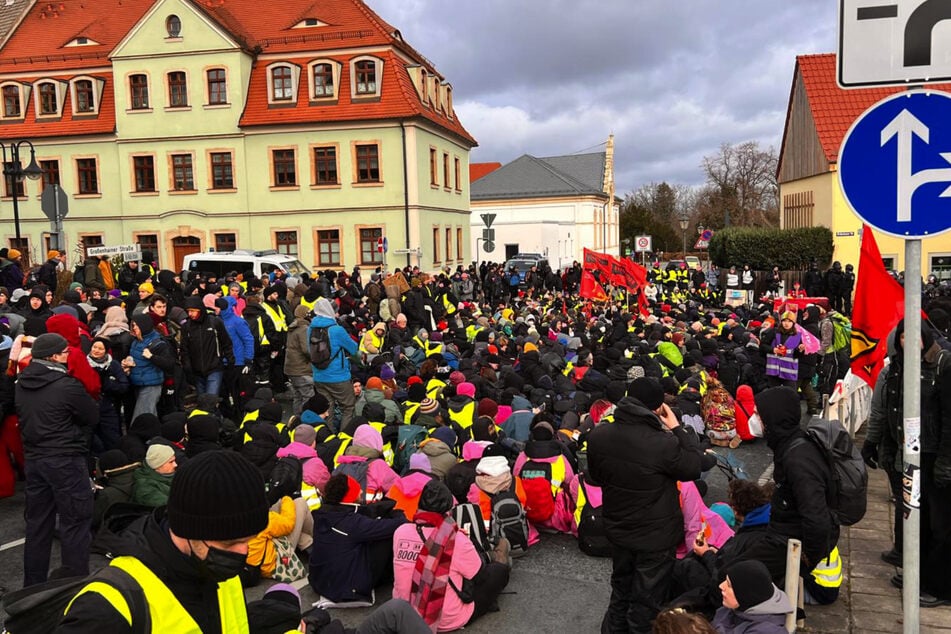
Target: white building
[(555, 206)]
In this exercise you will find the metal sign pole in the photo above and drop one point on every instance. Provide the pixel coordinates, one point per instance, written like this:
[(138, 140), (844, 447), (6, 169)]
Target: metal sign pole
[(911, 564)]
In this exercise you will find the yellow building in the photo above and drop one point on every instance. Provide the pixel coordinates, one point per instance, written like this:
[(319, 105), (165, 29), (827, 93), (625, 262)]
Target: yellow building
[(188, 125), (818, 117)]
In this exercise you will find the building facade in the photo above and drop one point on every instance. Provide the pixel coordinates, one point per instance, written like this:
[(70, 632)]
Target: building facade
[(189, 125), (555, 206), (819, 115)]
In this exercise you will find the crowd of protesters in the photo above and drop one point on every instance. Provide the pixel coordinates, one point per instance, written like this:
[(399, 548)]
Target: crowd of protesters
[(439, 426)]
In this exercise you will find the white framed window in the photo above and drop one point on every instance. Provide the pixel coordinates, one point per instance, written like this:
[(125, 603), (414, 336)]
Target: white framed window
[(323, 79), (85, 94), (13, 100), (283, 79), (49, 98), (366, 75)]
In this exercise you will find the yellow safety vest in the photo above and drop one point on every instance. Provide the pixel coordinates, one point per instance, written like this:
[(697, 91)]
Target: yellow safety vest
[(388, 453), (345, 442), (427, 346), (377, 342), (166, 614), (449, 306), (828, 573), (410, 409), (309, 305), (310, 494), (263, 337), (280, 322), (464, 417), (471, 331), (434, 388), (557, 474), (582, 499)]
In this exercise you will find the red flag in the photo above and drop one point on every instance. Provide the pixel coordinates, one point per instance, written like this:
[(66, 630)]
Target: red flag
[(879, 305), (594, 261), (590, 288)]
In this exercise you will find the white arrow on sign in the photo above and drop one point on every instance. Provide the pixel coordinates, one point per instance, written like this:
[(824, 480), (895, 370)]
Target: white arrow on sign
[(905, 126)]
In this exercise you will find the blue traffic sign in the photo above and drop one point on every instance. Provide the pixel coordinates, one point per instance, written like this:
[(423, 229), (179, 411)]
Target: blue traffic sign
[(895, 164)]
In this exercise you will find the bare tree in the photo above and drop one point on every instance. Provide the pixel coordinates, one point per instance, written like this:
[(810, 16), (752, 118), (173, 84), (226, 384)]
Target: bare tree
[(741, 180)]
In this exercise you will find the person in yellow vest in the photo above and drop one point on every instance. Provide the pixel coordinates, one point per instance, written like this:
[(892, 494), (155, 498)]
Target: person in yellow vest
[(181, 567), (372, 341), (276, 309)]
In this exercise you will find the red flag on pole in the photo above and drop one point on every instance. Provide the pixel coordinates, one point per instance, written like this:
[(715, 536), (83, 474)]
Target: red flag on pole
[(590, 288), (879, 305)]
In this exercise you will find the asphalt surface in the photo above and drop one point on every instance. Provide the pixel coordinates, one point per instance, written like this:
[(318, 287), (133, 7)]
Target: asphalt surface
[(553, 588)]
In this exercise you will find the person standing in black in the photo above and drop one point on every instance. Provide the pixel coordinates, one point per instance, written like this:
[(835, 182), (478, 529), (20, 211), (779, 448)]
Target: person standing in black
[(638, 461), (848, 284), (813, 280), (834, 286), (57, 416)]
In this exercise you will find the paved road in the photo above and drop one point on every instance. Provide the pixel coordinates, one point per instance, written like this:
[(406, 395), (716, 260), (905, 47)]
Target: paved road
[(555, 573)]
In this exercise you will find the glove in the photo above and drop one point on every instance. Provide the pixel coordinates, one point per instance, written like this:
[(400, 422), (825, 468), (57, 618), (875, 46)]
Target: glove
[(274, 354), (246, 369), (870, 454), (942, 471), (147, 353)]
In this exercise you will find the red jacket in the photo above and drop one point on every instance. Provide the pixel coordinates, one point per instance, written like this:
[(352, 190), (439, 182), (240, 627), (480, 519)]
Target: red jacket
[(77, 365)]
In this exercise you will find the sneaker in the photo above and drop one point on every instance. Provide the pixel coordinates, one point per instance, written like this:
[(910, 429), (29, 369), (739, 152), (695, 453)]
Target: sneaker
[(926, 600), (735, 442), (892, 557), (897, 581)]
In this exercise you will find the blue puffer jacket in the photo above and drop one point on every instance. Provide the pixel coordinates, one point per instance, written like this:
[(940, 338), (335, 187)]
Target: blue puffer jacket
[(145, 372), (242, 341), (341, 345)]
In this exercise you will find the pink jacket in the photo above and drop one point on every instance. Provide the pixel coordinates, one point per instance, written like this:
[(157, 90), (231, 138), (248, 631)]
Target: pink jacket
[(315, 471), (504, 412), (695, 513), (562, 520), (379, 475), (465, 563)]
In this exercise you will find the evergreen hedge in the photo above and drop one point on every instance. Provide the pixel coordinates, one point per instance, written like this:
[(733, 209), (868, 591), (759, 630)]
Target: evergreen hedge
[(765, 247)]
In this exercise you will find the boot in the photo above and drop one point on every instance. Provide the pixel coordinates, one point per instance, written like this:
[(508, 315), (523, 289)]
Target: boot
[(502, 553)]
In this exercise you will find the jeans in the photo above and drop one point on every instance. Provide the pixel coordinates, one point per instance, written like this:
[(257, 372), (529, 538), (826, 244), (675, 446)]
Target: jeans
[(303, 387), (210, 384), (146, 400), (639, 586), (57, 485)]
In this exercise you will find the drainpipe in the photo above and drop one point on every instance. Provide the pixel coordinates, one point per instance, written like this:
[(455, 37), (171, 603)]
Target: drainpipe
[(405, 190)]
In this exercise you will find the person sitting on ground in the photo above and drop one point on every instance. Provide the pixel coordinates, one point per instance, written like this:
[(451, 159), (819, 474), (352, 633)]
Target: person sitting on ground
[(433, 561), (315, 471), (409, 487), (363, 460), (115, 477), (352, 553), (439, 448), (286, 522), (153, 480), (751, 603)]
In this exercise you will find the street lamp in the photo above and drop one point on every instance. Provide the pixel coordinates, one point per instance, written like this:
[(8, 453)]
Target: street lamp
[(14, 171), (700, 229), (684, 221)]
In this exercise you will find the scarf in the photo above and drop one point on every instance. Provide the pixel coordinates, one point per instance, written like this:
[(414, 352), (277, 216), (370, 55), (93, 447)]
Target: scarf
[(100, 365), (431, 575)]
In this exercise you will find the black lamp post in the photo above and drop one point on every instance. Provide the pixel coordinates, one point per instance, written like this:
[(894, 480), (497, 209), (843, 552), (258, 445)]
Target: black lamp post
[(700, 233), (684, 222), (15, 171)]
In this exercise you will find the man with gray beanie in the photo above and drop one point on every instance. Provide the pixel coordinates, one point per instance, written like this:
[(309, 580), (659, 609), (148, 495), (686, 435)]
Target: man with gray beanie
[(56, 420), (178, 571), (638, 461)]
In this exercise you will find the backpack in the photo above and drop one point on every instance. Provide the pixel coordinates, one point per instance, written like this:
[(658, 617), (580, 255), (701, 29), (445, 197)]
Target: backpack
[(79, 274), (32, 277), (468, 514), (592, 536), (408, 440), (537, 481), (287, 476), (849, 476), (319, 346), (38, 609), (510, 521), (841, 331), (358, 471)]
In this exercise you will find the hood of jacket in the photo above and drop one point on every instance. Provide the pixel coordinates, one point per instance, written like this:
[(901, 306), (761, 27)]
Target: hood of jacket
[(780, 411), (298, 450), (323, 308), (412, 484), (473, 449), (323, 322), (435, 447), (757, 517), (40, 374), (778, 604), (66, 325), (629, 410), (520, 403)]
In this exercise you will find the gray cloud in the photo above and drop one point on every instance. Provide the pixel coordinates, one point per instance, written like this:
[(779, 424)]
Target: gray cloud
[(671, 79)]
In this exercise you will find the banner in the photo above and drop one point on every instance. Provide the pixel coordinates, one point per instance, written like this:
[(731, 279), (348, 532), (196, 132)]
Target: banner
[(879, 305), (591, 288)]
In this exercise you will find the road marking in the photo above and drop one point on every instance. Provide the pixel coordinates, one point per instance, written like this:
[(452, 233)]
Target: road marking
[(13, 544), (767, 475)]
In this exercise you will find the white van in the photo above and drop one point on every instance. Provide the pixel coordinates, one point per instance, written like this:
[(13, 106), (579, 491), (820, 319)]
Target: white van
[(261, 262)]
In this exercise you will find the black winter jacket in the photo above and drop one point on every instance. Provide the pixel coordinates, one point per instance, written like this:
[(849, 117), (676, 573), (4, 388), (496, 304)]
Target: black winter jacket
[(638, 463), (56, 413), (205, 344)]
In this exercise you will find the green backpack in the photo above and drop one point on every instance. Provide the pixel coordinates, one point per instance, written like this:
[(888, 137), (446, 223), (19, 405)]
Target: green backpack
[(841, 332)]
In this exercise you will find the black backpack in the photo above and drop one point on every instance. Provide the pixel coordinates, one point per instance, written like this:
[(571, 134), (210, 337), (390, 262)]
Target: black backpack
[(319, 346), (849, 476), (286, 478), (79, 274), (509, 520), (592, 536), (38, 609)]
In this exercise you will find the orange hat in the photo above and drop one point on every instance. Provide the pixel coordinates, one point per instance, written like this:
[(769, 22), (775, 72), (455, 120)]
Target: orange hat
[(375, 383), (52, 254), (529, 346), (12, 254)]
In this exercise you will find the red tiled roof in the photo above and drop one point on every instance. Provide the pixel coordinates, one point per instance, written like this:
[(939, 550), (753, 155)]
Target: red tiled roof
[(478, 170), (67, 125), (398, 99), (39, 43), (833, 108)]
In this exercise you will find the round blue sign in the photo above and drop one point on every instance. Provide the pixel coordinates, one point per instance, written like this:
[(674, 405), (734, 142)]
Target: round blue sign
[(895, 164)]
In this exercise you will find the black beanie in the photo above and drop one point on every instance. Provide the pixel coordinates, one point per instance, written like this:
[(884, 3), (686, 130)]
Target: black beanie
[(374, 412), (648, 391), (112, 460), (751, 583), (271, 412), (436, 497), (144, 322), (217, 495), (614, 391), (416, 393)]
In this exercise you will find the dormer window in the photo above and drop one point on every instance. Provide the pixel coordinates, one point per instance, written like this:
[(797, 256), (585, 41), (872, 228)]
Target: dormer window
[(12, 108), (365, 77), (307, 23), (173, 26), (49, 103), (85, 102), (82, 40), (324, 77), (283, 80)]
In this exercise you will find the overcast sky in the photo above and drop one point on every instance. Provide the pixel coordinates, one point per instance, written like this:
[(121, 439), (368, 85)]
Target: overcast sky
[(672, 79)]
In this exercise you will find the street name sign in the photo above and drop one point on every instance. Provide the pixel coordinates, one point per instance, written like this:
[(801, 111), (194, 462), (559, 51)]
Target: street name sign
[(895, 164)]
